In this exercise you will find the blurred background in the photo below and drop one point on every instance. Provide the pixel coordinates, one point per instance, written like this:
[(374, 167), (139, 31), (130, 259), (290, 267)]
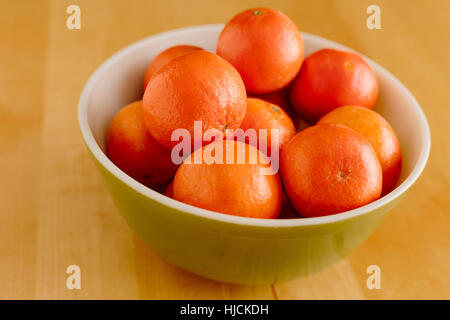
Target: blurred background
[(55, 210)]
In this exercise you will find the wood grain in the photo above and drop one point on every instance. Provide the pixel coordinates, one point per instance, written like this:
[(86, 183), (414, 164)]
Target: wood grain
[(55, 210)]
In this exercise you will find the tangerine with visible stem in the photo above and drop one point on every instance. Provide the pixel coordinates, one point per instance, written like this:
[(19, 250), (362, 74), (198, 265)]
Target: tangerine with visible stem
[(328, 169)]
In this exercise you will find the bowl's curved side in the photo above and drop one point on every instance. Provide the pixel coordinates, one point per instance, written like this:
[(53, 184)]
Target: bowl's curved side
[(239, 254)]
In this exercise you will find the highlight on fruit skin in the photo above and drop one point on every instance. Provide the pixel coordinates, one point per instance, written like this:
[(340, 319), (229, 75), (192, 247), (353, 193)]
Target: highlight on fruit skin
[(164, 58), (330, 79), (265, 46), (132, 148), (380, 135), (229, 186), (328, 169)]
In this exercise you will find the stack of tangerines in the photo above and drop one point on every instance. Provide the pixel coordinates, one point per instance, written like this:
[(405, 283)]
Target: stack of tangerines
[(259, 82)]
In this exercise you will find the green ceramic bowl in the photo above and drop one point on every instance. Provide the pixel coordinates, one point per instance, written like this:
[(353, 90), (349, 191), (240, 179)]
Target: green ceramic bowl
[(224, 247)]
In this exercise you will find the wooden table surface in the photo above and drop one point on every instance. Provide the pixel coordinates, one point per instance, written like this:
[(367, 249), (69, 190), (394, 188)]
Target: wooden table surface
[(55, 210)]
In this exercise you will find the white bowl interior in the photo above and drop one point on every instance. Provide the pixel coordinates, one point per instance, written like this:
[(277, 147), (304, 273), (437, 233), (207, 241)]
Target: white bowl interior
[(119, 81)]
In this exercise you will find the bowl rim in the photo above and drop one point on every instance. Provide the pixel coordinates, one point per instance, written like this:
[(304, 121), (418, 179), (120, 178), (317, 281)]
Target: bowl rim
[(101, 157)]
